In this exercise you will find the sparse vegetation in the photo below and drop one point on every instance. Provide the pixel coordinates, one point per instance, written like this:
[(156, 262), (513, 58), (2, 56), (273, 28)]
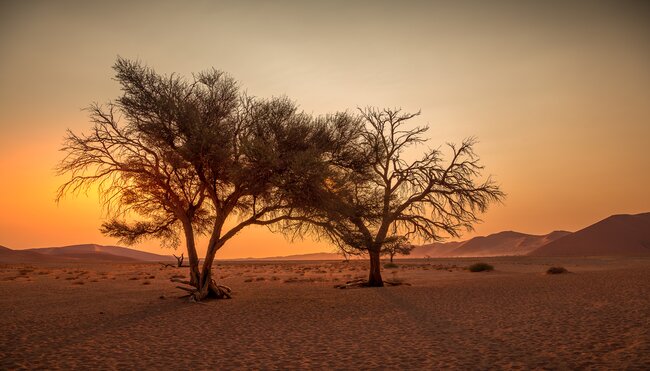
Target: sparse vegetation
[(391, 265), (556, 270), (396, 245), (480, 267)]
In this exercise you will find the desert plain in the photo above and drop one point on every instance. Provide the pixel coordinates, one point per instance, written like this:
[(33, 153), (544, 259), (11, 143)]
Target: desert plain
[(286, 315)]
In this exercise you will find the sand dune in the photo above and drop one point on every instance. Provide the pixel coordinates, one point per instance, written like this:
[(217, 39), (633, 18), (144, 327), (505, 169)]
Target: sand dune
[(10, 256), (618, 235), (304, 257), (116, 253), (79, 253), (506, 243)]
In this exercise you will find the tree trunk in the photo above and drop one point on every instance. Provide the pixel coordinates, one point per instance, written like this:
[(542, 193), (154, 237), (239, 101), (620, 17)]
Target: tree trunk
[(195, 273), (374, 279), (208, 288), (391, 257)]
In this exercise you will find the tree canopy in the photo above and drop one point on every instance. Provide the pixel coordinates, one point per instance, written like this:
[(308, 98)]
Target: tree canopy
[(377, 196), (189, 155)]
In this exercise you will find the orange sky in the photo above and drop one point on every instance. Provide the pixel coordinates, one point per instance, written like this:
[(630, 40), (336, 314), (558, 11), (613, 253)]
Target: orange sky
[(557, 92)]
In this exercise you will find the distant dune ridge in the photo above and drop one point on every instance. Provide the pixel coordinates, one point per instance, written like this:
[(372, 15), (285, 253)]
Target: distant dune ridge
[(617, 235), (85, 253), (506, 243), (10, 256), (313, 256)]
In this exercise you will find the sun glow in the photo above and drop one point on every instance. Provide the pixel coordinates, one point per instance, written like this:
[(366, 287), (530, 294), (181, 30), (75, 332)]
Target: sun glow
[(560, 110)]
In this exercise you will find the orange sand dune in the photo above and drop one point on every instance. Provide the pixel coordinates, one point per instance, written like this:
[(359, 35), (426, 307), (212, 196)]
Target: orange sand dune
[(9, 256), (78, 253), (618, 235), (101, 252), (506, 243)]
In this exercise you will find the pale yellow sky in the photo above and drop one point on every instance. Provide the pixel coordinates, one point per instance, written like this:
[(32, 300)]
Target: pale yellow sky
[(558, 93)]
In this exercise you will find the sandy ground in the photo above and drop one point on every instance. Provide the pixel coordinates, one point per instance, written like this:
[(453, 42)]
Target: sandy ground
[(288, 315)]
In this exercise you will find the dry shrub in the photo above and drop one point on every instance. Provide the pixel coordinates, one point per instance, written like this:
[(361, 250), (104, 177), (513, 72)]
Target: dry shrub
[(480, 267), (556, 270)]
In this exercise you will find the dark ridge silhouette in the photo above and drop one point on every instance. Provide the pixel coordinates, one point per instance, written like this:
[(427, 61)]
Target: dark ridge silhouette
[(10, 256), (101, 252), (617, 235), (507, 243), (78, 253), (312, 256)]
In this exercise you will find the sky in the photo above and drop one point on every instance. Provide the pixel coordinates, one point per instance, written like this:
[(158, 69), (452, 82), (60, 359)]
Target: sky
[(557, 92)]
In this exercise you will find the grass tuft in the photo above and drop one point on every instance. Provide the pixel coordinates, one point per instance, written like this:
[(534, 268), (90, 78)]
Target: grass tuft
[(480, 267), (556, 270)]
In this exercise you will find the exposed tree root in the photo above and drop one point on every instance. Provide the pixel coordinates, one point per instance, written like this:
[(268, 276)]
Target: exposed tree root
[(178, 280), (396, 283), (361, 282), (209, 291), (351, 284)]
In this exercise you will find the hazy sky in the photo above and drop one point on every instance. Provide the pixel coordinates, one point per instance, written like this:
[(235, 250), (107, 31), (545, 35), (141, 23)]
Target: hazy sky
[(558, 93)]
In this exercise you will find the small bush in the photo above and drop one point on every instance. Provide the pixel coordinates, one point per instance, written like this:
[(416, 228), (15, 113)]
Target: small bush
[(390, 265), (556, 270), (480, 267)]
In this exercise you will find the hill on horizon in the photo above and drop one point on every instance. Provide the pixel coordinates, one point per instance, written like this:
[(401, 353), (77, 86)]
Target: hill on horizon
[(311, 256), (79, 253), (506, 243), (617, 235), (10, 256)]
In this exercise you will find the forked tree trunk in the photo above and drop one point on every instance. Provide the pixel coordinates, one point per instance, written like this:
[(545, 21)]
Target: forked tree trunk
[(195, 273), (374, 279), (207, 287)]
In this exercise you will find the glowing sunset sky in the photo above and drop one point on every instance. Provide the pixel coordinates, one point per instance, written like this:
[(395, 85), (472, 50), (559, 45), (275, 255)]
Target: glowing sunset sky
[(558, 94)]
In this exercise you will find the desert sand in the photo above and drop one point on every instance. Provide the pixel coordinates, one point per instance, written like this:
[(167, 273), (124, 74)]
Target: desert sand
[(288, 315)]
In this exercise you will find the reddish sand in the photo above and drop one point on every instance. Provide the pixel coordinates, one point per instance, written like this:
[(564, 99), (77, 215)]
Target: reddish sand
[(288, 315)]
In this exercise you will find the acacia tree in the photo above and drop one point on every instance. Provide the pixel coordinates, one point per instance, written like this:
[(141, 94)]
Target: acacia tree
[(197, 156), (361, 205), (395, 246), (136, 176)]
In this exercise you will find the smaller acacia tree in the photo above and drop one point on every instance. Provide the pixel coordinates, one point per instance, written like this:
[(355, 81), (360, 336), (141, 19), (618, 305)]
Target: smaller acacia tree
[(396, 246), (374, 193)]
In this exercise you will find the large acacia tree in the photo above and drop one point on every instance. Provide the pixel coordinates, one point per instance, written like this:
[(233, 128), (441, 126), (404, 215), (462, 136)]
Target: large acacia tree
[(173, 156), (381, 198)]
